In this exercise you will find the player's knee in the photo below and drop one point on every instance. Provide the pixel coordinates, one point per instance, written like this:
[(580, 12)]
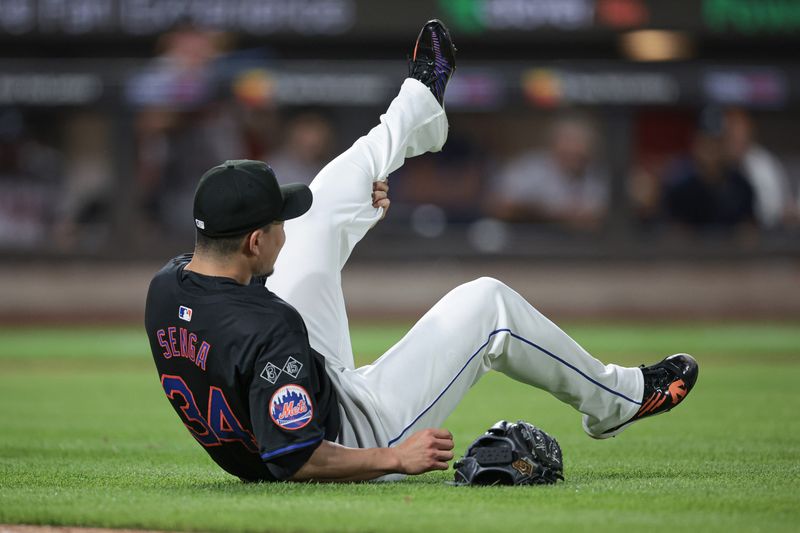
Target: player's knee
[(487, 285), (485, 290)]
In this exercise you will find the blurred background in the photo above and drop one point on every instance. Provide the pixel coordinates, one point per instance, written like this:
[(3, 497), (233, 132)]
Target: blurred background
[(607, 158)]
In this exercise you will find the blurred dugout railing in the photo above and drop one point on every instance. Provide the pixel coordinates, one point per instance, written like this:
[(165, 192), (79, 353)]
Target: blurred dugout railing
[(99, 154)]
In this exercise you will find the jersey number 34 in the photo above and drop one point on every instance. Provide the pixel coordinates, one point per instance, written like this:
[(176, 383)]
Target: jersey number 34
[(221, 425)]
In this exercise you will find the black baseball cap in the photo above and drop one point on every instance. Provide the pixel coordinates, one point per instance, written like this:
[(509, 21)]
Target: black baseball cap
[(241, 195)]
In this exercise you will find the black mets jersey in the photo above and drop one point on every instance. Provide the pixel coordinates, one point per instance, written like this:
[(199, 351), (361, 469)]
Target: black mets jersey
[(235, 363)]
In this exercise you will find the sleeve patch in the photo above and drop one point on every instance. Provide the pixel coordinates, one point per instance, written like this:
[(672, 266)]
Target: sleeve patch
[(290, 407), (291, 368)]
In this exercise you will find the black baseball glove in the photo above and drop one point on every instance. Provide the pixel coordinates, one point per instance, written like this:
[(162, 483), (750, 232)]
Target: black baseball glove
[(511, 454)]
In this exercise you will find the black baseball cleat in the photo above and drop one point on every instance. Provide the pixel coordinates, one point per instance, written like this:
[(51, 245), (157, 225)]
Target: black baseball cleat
[(434, 58), (666, 384)]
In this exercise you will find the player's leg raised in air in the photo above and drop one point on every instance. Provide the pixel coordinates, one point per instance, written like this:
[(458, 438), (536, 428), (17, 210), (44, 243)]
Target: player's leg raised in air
[(479, 326), (308, 271)]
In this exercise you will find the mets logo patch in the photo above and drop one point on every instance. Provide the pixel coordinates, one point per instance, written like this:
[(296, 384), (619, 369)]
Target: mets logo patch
[(290, 407)]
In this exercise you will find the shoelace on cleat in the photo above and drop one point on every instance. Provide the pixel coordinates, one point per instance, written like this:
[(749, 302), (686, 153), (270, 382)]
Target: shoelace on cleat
[(659, 377)]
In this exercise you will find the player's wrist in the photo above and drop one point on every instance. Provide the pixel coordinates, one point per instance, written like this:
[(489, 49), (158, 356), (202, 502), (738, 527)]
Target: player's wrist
[(391, 461)]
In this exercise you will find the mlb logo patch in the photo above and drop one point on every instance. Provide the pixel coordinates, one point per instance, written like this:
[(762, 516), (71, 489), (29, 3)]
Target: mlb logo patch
[(185, 313)]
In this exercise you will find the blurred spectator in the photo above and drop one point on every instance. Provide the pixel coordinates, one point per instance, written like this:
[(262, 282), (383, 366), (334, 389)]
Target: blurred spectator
[(308, 148), (180, 77), (181, 128), (706, 191), (773, 198), (30, 171), (658, 136), (84, 210), (562, 185)]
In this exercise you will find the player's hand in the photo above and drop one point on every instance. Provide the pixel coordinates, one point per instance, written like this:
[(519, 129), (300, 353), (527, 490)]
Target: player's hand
[(380, 196), (425, 450)]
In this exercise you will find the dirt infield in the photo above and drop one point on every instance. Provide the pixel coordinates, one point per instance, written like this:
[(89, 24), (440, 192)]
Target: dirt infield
[(54, 529)]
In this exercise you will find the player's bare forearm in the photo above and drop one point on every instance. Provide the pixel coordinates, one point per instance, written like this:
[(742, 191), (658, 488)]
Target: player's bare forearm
[(336, 463), (424, 451)]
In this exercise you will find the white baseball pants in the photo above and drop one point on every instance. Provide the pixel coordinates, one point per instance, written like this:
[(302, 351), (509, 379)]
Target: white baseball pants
[(479, 326)]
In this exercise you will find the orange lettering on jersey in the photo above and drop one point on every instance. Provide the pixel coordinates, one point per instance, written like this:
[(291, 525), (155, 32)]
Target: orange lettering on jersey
[(289, 410)]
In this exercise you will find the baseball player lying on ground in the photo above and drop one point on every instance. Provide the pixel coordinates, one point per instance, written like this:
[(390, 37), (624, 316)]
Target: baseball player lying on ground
[(264, 378)]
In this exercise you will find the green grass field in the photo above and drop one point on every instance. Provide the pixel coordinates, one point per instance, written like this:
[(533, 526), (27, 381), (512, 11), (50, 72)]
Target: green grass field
[(89, 439)]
